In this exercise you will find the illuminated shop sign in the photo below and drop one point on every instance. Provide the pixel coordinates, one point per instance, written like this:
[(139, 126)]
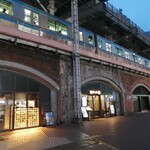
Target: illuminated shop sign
[(95, 92)]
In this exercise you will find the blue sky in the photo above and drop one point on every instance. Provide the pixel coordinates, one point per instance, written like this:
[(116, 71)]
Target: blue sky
[(136, 10)]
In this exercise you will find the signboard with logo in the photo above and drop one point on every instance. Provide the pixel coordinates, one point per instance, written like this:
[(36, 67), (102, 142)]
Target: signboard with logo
[(93, 92)]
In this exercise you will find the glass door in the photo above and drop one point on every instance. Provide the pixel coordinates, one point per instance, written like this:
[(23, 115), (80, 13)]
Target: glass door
[(94, 104), (26, 111), (33, 109), (20, 111), (6, 111)]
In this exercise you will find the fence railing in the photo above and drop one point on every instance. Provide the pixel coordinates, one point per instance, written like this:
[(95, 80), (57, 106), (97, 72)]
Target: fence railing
[(127, 21)]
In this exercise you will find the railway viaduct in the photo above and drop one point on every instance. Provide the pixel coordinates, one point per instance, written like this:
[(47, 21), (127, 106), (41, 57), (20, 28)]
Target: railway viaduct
[(49, 62)]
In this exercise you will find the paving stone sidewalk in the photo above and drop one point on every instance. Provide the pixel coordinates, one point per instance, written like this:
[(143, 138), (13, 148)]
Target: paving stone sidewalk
[(91, 143), (43, 138)]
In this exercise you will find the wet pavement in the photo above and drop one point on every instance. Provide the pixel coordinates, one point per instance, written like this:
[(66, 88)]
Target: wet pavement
[(122, 133)]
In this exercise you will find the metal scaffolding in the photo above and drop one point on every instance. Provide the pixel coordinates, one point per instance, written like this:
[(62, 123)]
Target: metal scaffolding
[(76, 59)]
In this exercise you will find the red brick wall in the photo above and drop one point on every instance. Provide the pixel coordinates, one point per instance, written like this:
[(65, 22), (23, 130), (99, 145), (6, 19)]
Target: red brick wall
[(45, 63), (129, 82)]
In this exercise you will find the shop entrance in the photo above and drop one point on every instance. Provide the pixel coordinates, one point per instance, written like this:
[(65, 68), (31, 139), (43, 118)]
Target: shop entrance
[(100, 100), (94, 103), (26, 110), (21, 112), (23, 101), (100, 107)]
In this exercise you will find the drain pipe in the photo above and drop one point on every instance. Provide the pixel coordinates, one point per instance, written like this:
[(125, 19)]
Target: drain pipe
[(42, 5)]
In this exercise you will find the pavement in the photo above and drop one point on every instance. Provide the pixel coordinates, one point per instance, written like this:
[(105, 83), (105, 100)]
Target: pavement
[(114, 133)]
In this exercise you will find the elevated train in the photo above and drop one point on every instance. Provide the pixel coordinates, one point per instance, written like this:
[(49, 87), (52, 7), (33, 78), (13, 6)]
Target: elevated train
[(34, 21)]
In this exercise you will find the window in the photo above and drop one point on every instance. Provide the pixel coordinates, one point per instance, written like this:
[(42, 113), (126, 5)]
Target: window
[(35, 19), (127, 55), (108, 47), (135, 58), (119, 51), (27, 15), (146, 63), (61, 28), (32, 100), (6, 7), (57, 26), (100, 44), (140, 60), (90, 40), (80, 36), (31, 17), (51, 24)]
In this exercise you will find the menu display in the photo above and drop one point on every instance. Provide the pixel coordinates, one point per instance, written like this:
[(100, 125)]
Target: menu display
[(26, 117), (33, 117), (20, 118)]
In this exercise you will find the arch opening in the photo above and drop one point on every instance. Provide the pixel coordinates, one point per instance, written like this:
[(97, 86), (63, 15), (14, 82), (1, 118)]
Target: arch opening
[(24, 101), (141, 98), (101, 98)]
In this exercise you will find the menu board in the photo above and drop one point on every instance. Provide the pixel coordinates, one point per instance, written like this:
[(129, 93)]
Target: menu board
[(20, 118), (49, 118), (26, 117), (33, 117), (84, 112)]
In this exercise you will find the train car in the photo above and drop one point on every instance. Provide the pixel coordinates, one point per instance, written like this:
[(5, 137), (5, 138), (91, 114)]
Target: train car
[(31, 20), (104, 44), (86, 38)]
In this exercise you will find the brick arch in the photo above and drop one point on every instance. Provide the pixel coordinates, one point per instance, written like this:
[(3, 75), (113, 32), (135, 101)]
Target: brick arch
[(117, 89), (140, 84), (29, 72), (130, 81), (101, 78)]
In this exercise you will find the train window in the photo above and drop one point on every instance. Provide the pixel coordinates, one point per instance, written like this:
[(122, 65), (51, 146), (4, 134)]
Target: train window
[(146, 63), (135, 58), (80, 36), (140, 60), (61, 28), (119, 51), (6, 7), (31, 17), (100, 44), (35, 19), (51, 24), (27, 15), (127, 55), (108, 47), (57, 26), (90, 40)]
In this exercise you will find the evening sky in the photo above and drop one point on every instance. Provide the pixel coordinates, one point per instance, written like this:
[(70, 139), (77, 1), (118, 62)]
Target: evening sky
[(137, 11)]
